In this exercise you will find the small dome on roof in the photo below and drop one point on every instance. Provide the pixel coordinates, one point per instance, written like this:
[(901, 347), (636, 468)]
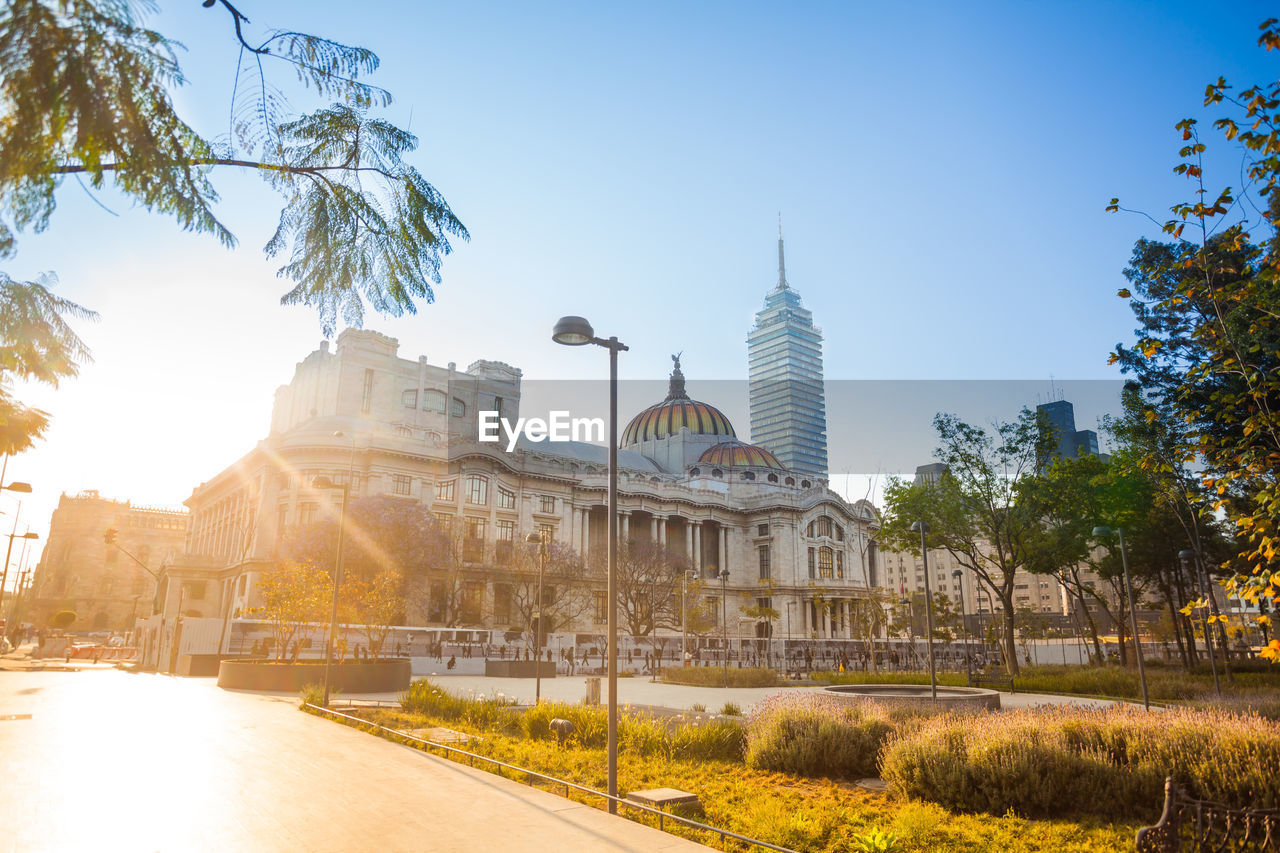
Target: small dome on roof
[(739, 454)]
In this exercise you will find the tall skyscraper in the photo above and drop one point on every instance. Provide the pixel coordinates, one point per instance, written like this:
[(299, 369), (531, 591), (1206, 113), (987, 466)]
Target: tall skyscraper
[(784, 356), (1072, 442)]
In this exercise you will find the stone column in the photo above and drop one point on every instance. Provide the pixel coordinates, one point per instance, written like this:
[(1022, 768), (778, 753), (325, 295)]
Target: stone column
[(697, 546), (662, 531), (624, 522), (586, 534), (688, 541)]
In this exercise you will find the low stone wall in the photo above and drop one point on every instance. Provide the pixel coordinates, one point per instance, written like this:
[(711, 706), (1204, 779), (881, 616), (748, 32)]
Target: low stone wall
[(519, 668), (379, 676), (959, 698)]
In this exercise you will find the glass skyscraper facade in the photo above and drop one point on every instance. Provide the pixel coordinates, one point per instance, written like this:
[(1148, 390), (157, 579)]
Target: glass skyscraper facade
[(784, 356)]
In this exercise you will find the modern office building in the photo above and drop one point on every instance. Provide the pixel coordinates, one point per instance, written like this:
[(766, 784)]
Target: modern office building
[(1072, 442), (784, 354)]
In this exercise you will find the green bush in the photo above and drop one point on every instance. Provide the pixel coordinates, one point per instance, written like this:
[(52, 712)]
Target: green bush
[(814, 735), (1066, 761), (714, 676), (713, 740), (731, 709)]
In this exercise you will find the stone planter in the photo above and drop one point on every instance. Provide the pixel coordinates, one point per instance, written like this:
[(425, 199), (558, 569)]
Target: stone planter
[(380, 676), (951, 698)]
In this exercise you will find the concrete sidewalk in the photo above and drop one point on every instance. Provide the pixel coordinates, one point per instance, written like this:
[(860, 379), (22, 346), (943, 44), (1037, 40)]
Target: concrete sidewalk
[(108, 760)]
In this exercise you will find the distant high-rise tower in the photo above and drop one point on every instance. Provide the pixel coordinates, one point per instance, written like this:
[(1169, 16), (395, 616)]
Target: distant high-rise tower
[(1072, 442), (784, 355)]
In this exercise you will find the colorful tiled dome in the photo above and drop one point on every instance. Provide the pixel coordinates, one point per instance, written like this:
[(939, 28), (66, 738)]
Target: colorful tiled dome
[(738, 454), (675, 413)]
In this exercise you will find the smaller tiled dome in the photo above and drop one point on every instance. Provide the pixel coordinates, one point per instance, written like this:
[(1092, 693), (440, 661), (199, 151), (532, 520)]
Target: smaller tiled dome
[(739, 455)]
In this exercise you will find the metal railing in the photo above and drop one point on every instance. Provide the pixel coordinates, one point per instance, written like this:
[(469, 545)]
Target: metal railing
[(531, 775)]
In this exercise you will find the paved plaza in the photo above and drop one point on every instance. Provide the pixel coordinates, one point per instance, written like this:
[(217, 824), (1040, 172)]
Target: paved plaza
[(105, 760)]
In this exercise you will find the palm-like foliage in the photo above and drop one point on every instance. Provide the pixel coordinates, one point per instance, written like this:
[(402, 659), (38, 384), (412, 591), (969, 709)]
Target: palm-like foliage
[(87, 90), (36, 345)]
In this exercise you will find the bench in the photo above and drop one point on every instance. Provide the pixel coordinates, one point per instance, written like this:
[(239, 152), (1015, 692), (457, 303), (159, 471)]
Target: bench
[(1188, 824), (992, 679), (660, 798)]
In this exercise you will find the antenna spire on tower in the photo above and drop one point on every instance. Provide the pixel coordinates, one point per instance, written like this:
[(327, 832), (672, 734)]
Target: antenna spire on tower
[(782, 263)]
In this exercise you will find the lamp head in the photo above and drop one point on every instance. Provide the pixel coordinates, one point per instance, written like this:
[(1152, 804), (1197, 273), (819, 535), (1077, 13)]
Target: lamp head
[(24, 488), (573, 332), (956, 573), (919, 527), (1101, 532), (30, 534), (1186, 555)]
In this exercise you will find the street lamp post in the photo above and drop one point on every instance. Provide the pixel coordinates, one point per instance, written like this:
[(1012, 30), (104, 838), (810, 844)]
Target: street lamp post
[(576, 332), (723, 574), (4, 578), (540, 539), (323, 482), (786, 650), (968, 668), (685, 577), (922, 527), (1189, 562), (1102, 532)]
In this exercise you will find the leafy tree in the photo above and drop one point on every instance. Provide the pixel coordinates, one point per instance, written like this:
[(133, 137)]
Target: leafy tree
[(396, 535), (36, 345), (88, 90), (293, 595), (870, 620), (975, 511), (1208, 341), (375, 605)]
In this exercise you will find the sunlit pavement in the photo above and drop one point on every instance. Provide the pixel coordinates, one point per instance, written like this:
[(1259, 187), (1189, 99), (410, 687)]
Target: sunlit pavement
[(114, 761), (639, 691)]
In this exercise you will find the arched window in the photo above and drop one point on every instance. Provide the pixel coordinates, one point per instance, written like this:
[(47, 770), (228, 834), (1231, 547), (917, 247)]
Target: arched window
[(790, 481), (773, 478), (694, 472), (748, 475), (458, 409), (433, 401), (716, 472), (477, 489), (804, 484), (409, 399), (826, 562)]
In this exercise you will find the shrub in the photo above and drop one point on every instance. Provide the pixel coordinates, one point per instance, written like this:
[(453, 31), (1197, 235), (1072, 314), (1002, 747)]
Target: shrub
[(715, 740), (714, 676), (63, 619), (1059, 761), (815, 735), (590, 722), (698, 707), (731, 709), (313, 694), (485, 714)]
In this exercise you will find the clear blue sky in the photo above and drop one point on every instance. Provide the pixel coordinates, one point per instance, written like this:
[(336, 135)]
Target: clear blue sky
[(941, 170)]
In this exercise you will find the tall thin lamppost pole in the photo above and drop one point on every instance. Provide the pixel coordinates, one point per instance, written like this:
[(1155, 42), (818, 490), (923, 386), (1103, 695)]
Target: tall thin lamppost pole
[(685, 576), (576, 332), (1189, 562), (1133, 611), (723, 575), (968, 668), (922, 527), (323, 482), (541, 540), (4, 578)]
